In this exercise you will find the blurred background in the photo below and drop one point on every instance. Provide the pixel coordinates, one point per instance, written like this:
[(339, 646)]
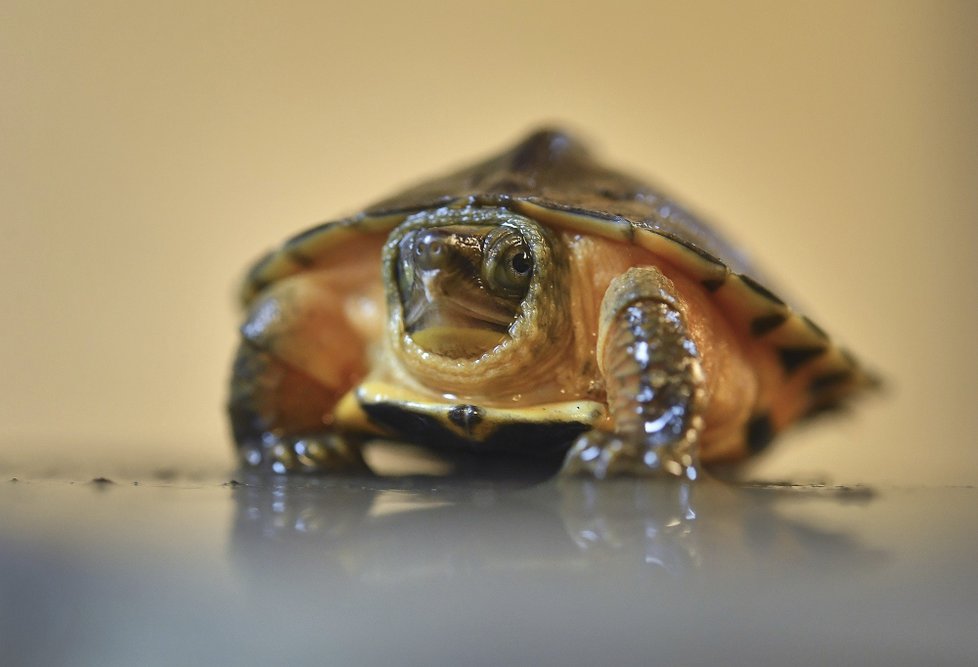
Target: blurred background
[(149, 151)]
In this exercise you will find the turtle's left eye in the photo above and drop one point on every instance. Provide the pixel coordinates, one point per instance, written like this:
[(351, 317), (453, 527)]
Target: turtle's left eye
[(508, 264), (521, 263)]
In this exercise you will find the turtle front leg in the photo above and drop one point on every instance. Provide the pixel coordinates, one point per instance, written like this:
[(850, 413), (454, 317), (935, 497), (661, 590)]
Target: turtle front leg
[(654, 382), (298, 356), (278, 417)]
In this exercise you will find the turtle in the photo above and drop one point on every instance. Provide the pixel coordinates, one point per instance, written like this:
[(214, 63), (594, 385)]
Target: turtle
[(537, 305)]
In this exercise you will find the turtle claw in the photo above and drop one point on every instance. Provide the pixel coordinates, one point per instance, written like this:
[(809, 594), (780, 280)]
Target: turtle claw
[(326, 453), (600, 454)]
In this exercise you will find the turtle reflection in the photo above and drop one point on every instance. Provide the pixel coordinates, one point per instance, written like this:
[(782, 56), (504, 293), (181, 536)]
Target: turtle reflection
[(425, 529)]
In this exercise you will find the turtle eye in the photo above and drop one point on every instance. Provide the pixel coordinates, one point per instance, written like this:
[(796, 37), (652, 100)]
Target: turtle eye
[(508, 263), (522, 263)]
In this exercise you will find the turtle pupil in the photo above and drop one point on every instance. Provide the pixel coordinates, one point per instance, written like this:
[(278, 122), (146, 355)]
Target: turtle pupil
[(521, 263)]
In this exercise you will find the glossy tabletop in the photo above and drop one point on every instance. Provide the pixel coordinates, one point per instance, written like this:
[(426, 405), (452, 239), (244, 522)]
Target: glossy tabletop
[(226, 569)]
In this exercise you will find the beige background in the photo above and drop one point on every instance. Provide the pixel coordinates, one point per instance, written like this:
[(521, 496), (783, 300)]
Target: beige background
[(149, 150)]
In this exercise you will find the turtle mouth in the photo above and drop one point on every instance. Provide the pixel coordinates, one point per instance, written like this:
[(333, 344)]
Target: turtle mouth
[(455, 324), (452, 310)]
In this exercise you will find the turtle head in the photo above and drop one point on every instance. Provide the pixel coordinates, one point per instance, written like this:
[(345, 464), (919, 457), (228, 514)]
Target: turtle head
[(461, 282), (462, 286)]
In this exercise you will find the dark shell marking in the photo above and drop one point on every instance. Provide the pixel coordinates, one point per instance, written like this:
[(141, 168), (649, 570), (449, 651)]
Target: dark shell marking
[(760, 433), (793, 358), (544, 439), (466, 417), (552, 178), (766, 323), (762, 290)]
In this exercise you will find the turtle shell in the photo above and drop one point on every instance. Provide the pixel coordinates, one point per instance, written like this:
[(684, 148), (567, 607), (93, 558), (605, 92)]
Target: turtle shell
[(553, 179)]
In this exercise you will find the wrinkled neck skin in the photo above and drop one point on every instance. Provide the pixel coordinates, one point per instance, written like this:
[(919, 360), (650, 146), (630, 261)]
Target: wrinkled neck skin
[(523, 362)]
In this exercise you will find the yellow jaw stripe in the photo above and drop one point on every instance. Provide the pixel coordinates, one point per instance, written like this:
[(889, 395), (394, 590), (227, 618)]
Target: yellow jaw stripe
[(457, 342)]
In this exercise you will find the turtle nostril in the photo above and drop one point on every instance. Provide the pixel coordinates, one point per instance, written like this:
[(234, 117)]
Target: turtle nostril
[(429, 252)]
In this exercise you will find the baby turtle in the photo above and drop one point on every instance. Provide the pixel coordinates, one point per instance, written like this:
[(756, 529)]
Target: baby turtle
[(537, 303)]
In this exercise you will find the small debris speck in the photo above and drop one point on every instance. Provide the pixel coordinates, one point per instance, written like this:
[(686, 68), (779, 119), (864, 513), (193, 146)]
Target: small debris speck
[(14, 479), (233, 482), (102, 480), (135, 483)]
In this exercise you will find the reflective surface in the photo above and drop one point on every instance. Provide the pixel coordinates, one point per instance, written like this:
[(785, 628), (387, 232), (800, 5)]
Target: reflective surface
[(421, 570)]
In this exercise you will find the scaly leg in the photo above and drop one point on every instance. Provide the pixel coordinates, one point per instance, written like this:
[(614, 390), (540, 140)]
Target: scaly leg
[(277, 418), (654, 383), (296, 359)]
